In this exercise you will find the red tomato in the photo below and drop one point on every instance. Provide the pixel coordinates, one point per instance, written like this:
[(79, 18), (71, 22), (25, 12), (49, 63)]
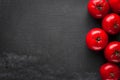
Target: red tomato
[(111, 23), (109, 71), (98, 8), (96, 39), (112, 51), (115, 5)]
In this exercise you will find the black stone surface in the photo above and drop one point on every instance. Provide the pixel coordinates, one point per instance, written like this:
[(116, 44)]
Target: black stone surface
[(45, 40)]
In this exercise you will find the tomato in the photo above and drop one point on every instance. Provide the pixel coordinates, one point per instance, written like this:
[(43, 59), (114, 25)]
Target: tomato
[(115, 5), (112, 51), (109, 71), (98, 8), (96, 39), (111, 23)]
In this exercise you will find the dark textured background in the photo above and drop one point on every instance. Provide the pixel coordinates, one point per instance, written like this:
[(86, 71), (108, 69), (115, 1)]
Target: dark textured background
[(45, 40)]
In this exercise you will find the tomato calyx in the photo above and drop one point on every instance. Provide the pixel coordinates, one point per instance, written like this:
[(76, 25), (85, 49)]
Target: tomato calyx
[(99, 7), (98, 39), (116, 25), (116, 53), (112, 75)]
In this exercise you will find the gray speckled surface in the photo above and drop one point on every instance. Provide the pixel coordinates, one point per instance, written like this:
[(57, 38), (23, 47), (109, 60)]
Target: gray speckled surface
[(45, 40)]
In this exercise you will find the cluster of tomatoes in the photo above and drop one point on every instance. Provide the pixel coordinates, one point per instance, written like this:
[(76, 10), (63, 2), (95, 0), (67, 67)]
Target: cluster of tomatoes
[(97, 38)]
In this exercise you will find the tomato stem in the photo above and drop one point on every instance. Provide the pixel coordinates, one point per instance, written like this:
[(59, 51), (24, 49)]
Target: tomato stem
[(115, 25), (99, 7), (117, 53), (98, 39), (112, 74)]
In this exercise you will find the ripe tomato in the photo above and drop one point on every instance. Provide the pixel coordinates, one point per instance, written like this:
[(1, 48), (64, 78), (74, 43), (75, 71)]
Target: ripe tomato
[(98, 8), (96, 39), (111, 23), (112, 51), (110, 71), (115, 5)]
